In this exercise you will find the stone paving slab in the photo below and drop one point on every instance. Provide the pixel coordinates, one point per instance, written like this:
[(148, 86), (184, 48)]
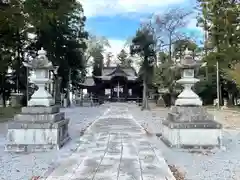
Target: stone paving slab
[(114, 148)]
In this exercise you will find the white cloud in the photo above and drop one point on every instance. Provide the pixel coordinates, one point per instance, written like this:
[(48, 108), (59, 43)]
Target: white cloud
[(114, 7), (116, 46)]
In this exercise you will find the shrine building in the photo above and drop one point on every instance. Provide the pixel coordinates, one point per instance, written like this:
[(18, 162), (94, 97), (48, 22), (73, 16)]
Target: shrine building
[(116, 83)]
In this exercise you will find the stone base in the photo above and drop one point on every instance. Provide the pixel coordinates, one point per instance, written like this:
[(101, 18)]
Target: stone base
[(191, 127), (37, 129), (192, 138)]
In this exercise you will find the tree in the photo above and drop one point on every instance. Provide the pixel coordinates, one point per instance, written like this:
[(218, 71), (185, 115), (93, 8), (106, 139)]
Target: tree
[(125, 61), (181, 45), (167, 25), (162, 57), (59, 28), (109, 59), (12, 40), (97, 62), (95, 43), (143, 45), (165, 76), (220, 21)]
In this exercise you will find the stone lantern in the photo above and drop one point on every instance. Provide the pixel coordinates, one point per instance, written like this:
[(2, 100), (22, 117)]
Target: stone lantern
[(41, 68), (40, 126), (188, 97), (188, 124)]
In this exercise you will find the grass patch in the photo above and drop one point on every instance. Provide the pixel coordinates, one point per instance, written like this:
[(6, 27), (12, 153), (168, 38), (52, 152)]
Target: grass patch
[(8, 112)]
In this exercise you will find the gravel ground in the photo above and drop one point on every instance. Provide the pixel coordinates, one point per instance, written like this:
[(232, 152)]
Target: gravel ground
[(23, 166), (217, 164), (221, 164)]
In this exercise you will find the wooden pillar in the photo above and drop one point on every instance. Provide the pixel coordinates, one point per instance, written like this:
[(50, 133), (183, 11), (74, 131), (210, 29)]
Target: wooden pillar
[(126, 91)]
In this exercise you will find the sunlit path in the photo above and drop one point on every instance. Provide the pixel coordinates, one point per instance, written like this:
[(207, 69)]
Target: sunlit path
[(114, 147)]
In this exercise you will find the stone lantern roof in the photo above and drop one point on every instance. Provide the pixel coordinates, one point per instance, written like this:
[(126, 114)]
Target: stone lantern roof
[(41, 61), (188, 60)]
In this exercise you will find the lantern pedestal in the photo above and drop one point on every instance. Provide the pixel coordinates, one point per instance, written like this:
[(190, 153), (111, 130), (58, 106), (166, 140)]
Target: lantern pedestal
[(40, 126), (191, 127), (188, 124), (37, 129)]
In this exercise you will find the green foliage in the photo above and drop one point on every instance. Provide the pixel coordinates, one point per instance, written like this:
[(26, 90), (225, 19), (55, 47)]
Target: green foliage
[(13, 33), (8, 112), (181, 45), (95, 44), (109, 59), (207, 86), (97, 62), (58, 26), (233, 74), (165, 76), (143, 45), (124, 59), (162, 57), (220, 19)]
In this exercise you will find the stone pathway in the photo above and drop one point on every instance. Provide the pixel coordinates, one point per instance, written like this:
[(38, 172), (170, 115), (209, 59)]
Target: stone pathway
[(114, 148), (15, 166)]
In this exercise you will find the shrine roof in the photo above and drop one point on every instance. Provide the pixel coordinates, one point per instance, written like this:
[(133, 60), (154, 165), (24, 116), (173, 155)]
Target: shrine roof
[(111, 71)]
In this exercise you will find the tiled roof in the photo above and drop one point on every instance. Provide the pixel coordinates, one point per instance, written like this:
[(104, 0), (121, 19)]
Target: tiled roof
[(129, 71)]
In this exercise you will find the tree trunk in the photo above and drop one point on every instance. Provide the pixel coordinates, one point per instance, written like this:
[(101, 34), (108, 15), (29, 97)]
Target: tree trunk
[(69, 88), (230, 99), (4, 97), (57, 91), (170, 47), (3, 90), (145, 105)]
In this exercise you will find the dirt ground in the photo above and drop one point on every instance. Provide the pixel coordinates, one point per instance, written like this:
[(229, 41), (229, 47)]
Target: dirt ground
[(230, 119)]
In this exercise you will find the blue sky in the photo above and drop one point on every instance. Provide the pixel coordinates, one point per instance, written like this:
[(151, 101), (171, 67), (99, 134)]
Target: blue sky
[(113, 27), (118, 20)]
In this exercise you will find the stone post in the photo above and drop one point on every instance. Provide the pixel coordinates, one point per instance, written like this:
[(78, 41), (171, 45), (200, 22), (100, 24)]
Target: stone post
[(40, 126), (188, 124)]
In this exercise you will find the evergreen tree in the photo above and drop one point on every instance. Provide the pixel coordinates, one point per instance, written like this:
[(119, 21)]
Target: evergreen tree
[(12, 42), (59, 29), (125, 61), (109, 59), (143, 45)]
